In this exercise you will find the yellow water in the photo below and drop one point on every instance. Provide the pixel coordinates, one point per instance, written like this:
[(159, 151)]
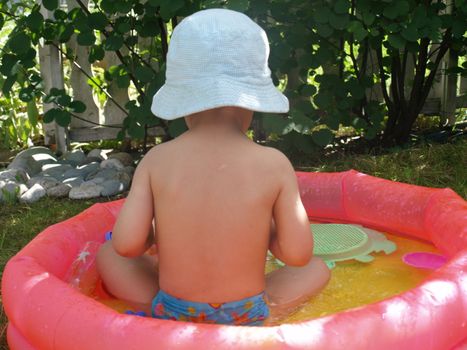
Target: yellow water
[(354, 284)]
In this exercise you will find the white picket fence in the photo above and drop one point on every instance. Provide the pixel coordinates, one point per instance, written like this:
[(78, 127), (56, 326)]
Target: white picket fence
[(448, 93)]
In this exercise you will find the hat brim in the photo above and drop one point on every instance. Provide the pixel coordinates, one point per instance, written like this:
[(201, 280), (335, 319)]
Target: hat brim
[(176, 101)]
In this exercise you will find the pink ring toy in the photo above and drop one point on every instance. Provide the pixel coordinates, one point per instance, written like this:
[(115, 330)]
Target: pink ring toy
[(46, 313)]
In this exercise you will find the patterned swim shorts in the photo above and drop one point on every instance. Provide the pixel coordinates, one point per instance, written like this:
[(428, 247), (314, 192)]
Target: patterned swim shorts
[(250, 311)]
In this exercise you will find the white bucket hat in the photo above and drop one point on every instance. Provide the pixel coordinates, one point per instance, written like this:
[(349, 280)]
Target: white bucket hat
[(217, 58)]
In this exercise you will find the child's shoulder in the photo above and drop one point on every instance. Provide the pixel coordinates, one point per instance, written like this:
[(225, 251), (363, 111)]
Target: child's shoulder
[(273, 157)]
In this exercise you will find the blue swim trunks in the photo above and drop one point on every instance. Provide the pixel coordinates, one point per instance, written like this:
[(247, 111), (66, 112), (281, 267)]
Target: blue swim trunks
[(250, 311)]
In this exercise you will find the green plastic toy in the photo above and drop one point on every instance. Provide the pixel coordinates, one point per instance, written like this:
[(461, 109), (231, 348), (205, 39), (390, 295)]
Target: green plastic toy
[(339, 242)]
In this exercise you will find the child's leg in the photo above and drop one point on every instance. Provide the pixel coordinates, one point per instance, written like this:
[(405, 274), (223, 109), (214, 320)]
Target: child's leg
[(131, 279), (289, 286)]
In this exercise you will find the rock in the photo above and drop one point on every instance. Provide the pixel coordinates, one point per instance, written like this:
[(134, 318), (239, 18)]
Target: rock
[(113, 187), (22, 189), (125, 158), (112, 163), (55, 170), (130, 170), (85, 191), (73, 181), (45, 181), (98, 180), (91, 168), (32, 195), (123, 177), (112, 174), (82, 171), (74, 157), (98, 153), (91, 160), (106, 174), (19, 175), (10, 188), (59, 191), (32, 159)]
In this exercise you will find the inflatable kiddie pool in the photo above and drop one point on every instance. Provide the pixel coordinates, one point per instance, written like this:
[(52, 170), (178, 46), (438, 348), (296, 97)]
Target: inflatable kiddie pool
[(44, 312)]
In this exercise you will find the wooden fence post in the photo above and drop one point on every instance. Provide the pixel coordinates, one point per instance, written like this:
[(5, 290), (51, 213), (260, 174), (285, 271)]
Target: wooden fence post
[(81, 89), (52, 73), (448, 98)]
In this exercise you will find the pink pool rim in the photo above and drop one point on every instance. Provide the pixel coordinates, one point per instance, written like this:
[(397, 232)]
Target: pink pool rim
[(44, 312)]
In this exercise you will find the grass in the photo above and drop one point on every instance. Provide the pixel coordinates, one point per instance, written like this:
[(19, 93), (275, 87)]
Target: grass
[(432, 165), (437, 165)]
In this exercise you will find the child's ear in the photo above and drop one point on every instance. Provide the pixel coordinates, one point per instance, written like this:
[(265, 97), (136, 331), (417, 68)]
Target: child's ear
[(246, 119), (189, 122)]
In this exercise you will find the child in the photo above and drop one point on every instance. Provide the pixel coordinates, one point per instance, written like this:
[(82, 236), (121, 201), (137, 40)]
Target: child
[(218, 200)]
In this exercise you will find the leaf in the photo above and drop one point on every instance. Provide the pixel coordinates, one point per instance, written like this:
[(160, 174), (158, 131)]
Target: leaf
[(34, 21), (77, 107), (33, 113), (356, 90), (368, 18), (238, 5), (63, 118), (122, 25), (60, 15), (276, 124), (396, 41), (65, 32), (322, 137), (357, 29), (86, 38), (410, 33), (113, 43), (8, 84), (338, 21), (96, 53), (20, 43), (97, 20), (136, 131), (168, 8), (50, 4), (123, 81), (177, 127), (301, 123), (322, 14), (391, 11), (149, 28), (323, 99), (26, 94), (64, 100), (8, 62), (302, 142), (403, 7), (342, 6), (324, 30), (51, 114), (308, 90), (144, 74)]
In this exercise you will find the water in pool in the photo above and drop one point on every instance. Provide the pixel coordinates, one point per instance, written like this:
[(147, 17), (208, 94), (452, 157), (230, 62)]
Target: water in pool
[(352, 283)]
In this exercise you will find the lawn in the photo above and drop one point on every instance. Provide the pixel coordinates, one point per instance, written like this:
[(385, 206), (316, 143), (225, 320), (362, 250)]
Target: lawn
[(435, 165)]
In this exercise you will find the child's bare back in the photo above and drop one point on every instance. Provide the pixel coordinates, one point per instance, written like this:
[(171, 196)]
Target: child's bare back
[(214, 192)]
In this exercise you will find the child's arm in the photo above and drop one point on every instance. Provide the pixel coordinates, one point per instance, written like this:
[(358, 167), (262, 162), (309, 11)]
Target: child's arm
[(291, 238), (133, 232)]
